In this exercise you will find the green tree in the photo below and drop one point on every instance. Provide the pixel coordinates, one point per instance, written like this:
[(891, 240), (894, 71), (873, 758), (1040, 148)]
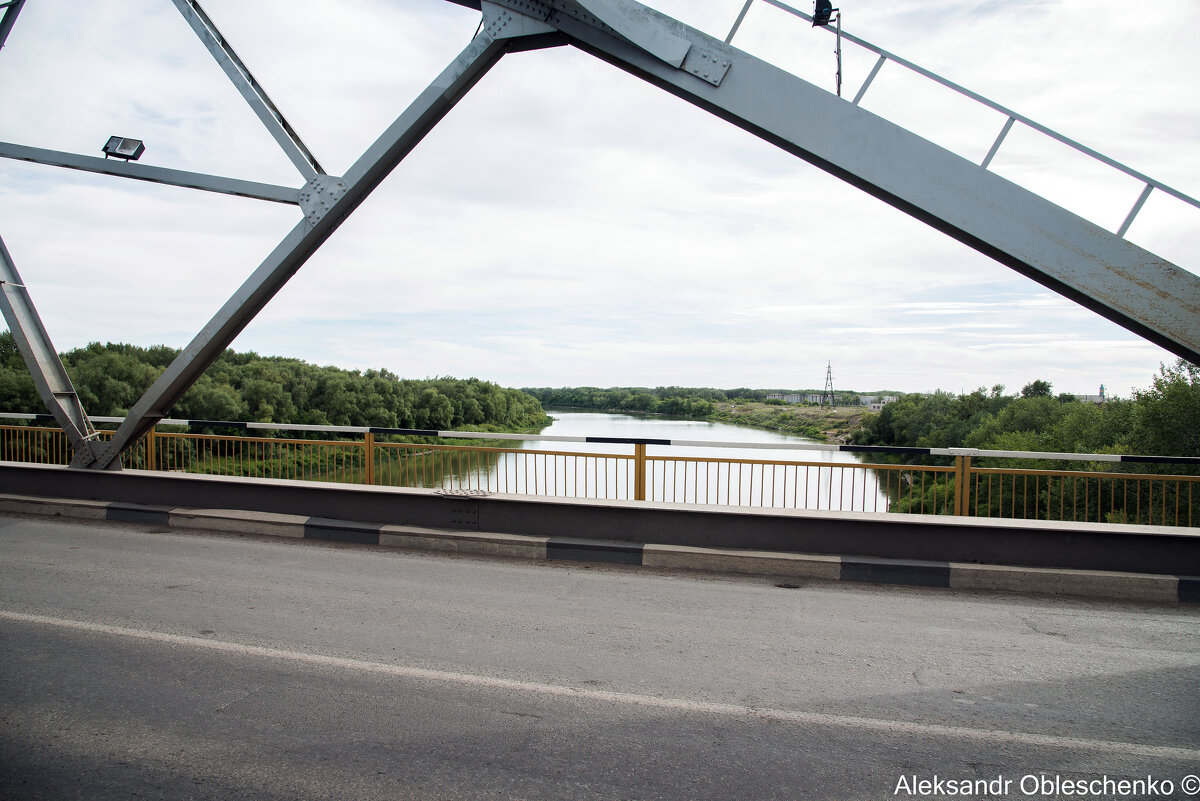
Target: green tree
[(1036, 389), (1166, 419), (208, 400), (245, 386), (640, 402), (17, 393), (109, 379), (434, 410)]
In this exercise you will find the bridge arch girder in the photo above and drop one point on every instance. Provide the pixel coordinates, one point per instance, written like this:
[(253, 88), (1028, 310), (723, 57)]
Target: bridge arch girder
[(1094, 267)]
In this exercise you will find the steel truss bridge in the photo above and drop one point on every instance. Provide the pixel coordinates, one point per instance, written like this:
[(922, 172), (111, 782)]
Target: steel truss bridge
[(1095, 267)]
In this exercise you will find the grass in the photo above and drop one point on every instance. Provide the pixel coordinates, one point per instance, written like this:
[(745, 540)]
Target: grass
[(821, 423)]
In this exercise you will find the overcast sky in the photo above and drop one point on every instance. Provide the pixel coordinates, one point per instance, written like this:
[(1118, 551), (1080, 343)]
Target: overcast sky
[(568, 224)]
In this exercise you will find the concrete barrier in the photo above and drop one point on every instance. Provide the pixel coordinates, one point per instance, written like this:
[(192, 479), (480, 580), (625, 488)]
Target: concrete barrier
[(1098, 560)]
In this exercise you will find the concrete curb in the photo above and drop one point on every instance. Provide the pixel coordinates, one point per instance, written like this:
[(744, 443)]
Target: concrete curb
[(931, 540), (907, 572), (268, 524), (760, 563)]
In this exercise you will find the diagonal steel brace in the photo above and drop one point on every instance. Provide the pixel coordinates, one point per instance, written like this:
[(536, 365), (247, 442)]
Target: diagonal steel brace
[(49, 376), (8, 16), (344, 195), (250, 89)]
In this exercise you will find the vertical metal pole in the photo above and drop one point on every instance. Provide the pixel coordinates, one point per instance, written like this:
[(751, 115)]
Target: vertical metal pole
[(151, 450), (639, 468), (369, 448), (839, 52), (962, 485)]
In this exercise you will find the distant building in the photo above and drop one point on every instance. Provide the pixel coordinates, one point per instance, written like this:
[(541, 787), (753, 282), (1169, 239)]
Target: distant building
[(876, 403), (817, 397), (1101, 398), (795, 397)]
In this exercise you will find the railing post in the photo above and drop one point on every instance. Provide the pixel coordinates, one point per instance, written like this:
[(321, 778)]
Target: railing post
[(962, 485), (738, 23), (151, 450), (369, 449), (862, 90), (1141, 201), (639, 467), (999, 141)]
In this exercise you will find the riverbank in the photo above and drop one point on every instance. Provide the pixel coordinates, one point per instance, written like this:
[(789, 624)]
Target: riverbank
[(820, 423), (817, 423)]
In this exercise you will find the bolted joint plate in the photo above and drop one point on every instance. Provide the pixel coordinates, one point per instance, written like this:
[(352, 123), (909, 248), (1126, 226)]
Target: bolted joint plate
[(319, 194), (705, 65), (93, 454), (85, 455), (658, 35), (514, 19), (537, 9), (570, 10), (508, 19)]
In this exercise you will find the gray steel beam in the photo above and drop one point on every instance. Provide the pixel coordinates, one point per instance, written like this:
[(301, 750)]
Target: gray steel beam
[(630, 21), (1076, 258), (250, 89), (157, 175), (11, 10), (330, 202), (978, 98), (49, 376)]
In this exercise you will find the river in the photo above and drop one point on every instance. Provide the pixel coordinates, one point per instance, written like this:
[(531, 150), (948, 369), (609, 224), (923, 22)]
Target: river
[(794, 476)]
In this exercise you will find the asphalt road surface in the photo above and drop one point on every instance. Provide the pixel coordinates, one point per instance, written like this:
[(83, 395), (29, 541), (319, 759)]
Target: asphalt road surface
[(141, 663)]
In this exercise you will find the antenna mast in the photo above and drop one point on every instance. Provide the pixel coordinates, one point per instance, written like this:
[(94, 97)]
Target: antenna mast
[(828, 393)]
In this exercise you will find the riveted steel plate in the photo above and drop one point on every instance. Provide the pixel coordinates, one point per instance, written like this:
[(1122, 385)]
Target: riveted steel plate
[(503, 23), (706, 65), (464, 514), (318, 196)]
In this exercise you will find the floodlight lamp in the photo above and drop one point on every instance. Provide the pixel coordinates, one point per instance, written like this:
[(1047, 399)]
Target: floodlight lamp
[(821, 12), (122, 148)]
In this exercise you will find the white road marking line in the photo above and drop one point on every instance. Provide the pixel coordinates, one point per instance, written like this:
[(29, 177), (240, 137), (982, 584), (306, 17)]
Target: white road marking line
[(633, 699)]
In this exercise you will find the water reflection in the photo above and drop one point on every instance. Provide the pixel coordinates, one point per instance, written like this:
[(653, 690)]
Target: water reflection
[(788, 474)]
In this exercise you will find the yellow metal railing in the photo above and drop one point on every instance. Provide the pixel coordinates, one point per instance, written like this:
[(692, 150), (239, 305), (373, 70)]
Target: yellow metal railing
[(961, 489), (36, 445), (838, 486), (338, 461), (1084, 496), (505, 470)]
